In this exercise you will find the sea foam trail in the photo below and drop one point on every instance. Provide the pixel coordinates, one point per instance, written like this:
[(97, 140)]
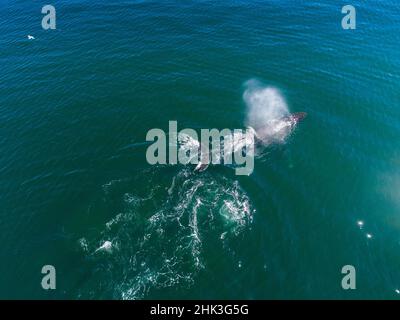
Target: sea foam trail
[(158, 233)]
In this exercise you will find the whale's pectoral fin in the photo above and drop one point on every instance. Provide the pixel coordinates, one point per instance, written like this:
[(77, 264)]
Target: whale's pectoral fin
[(201, 167), (204, 159)]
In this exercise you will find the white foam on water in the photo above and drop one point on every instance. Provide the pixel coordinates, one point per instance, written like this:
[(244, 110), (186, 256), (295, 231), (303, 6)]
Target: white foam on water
[(107, 246), (160, 240), (83, 244)]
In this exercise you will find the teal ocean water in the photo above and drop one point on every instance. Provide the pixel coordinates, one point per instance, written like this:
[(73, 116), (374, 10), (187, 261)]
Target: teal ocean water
[(76, 104)]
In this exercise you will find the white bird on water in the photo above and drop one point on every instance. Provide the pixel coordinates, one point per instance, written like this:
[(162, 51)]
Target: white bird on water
[(31, 37)]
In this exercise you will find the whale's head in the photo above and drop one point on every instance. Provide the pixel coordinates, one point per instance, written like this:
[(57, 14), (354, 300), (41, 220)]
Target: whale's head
[(298, 116), (277, 130)]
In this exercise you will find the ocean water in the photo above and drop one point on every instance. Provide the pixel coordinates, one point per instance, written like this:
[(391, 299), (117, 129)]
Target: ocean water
[(76, 104)]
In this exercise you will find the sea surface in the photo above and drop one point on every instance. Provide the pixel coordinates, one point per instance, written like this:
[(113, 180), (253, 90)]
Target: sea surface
[(77, 193)]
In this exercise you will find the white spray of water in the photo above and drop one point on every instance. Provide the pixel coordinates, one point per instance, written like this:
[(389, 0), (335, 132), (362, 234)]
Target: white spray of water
[(267, 112)]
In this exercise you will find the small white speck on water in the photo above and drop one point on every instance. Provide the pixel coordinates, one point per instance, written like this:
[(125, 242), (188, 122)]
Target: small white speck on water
[(360, 223), (240, 264), (397, 291), (369, 236)]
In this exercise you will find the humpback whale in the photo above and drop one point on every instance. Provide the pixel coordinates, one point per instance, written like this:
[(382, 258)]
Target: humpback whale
[(276, 130)]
